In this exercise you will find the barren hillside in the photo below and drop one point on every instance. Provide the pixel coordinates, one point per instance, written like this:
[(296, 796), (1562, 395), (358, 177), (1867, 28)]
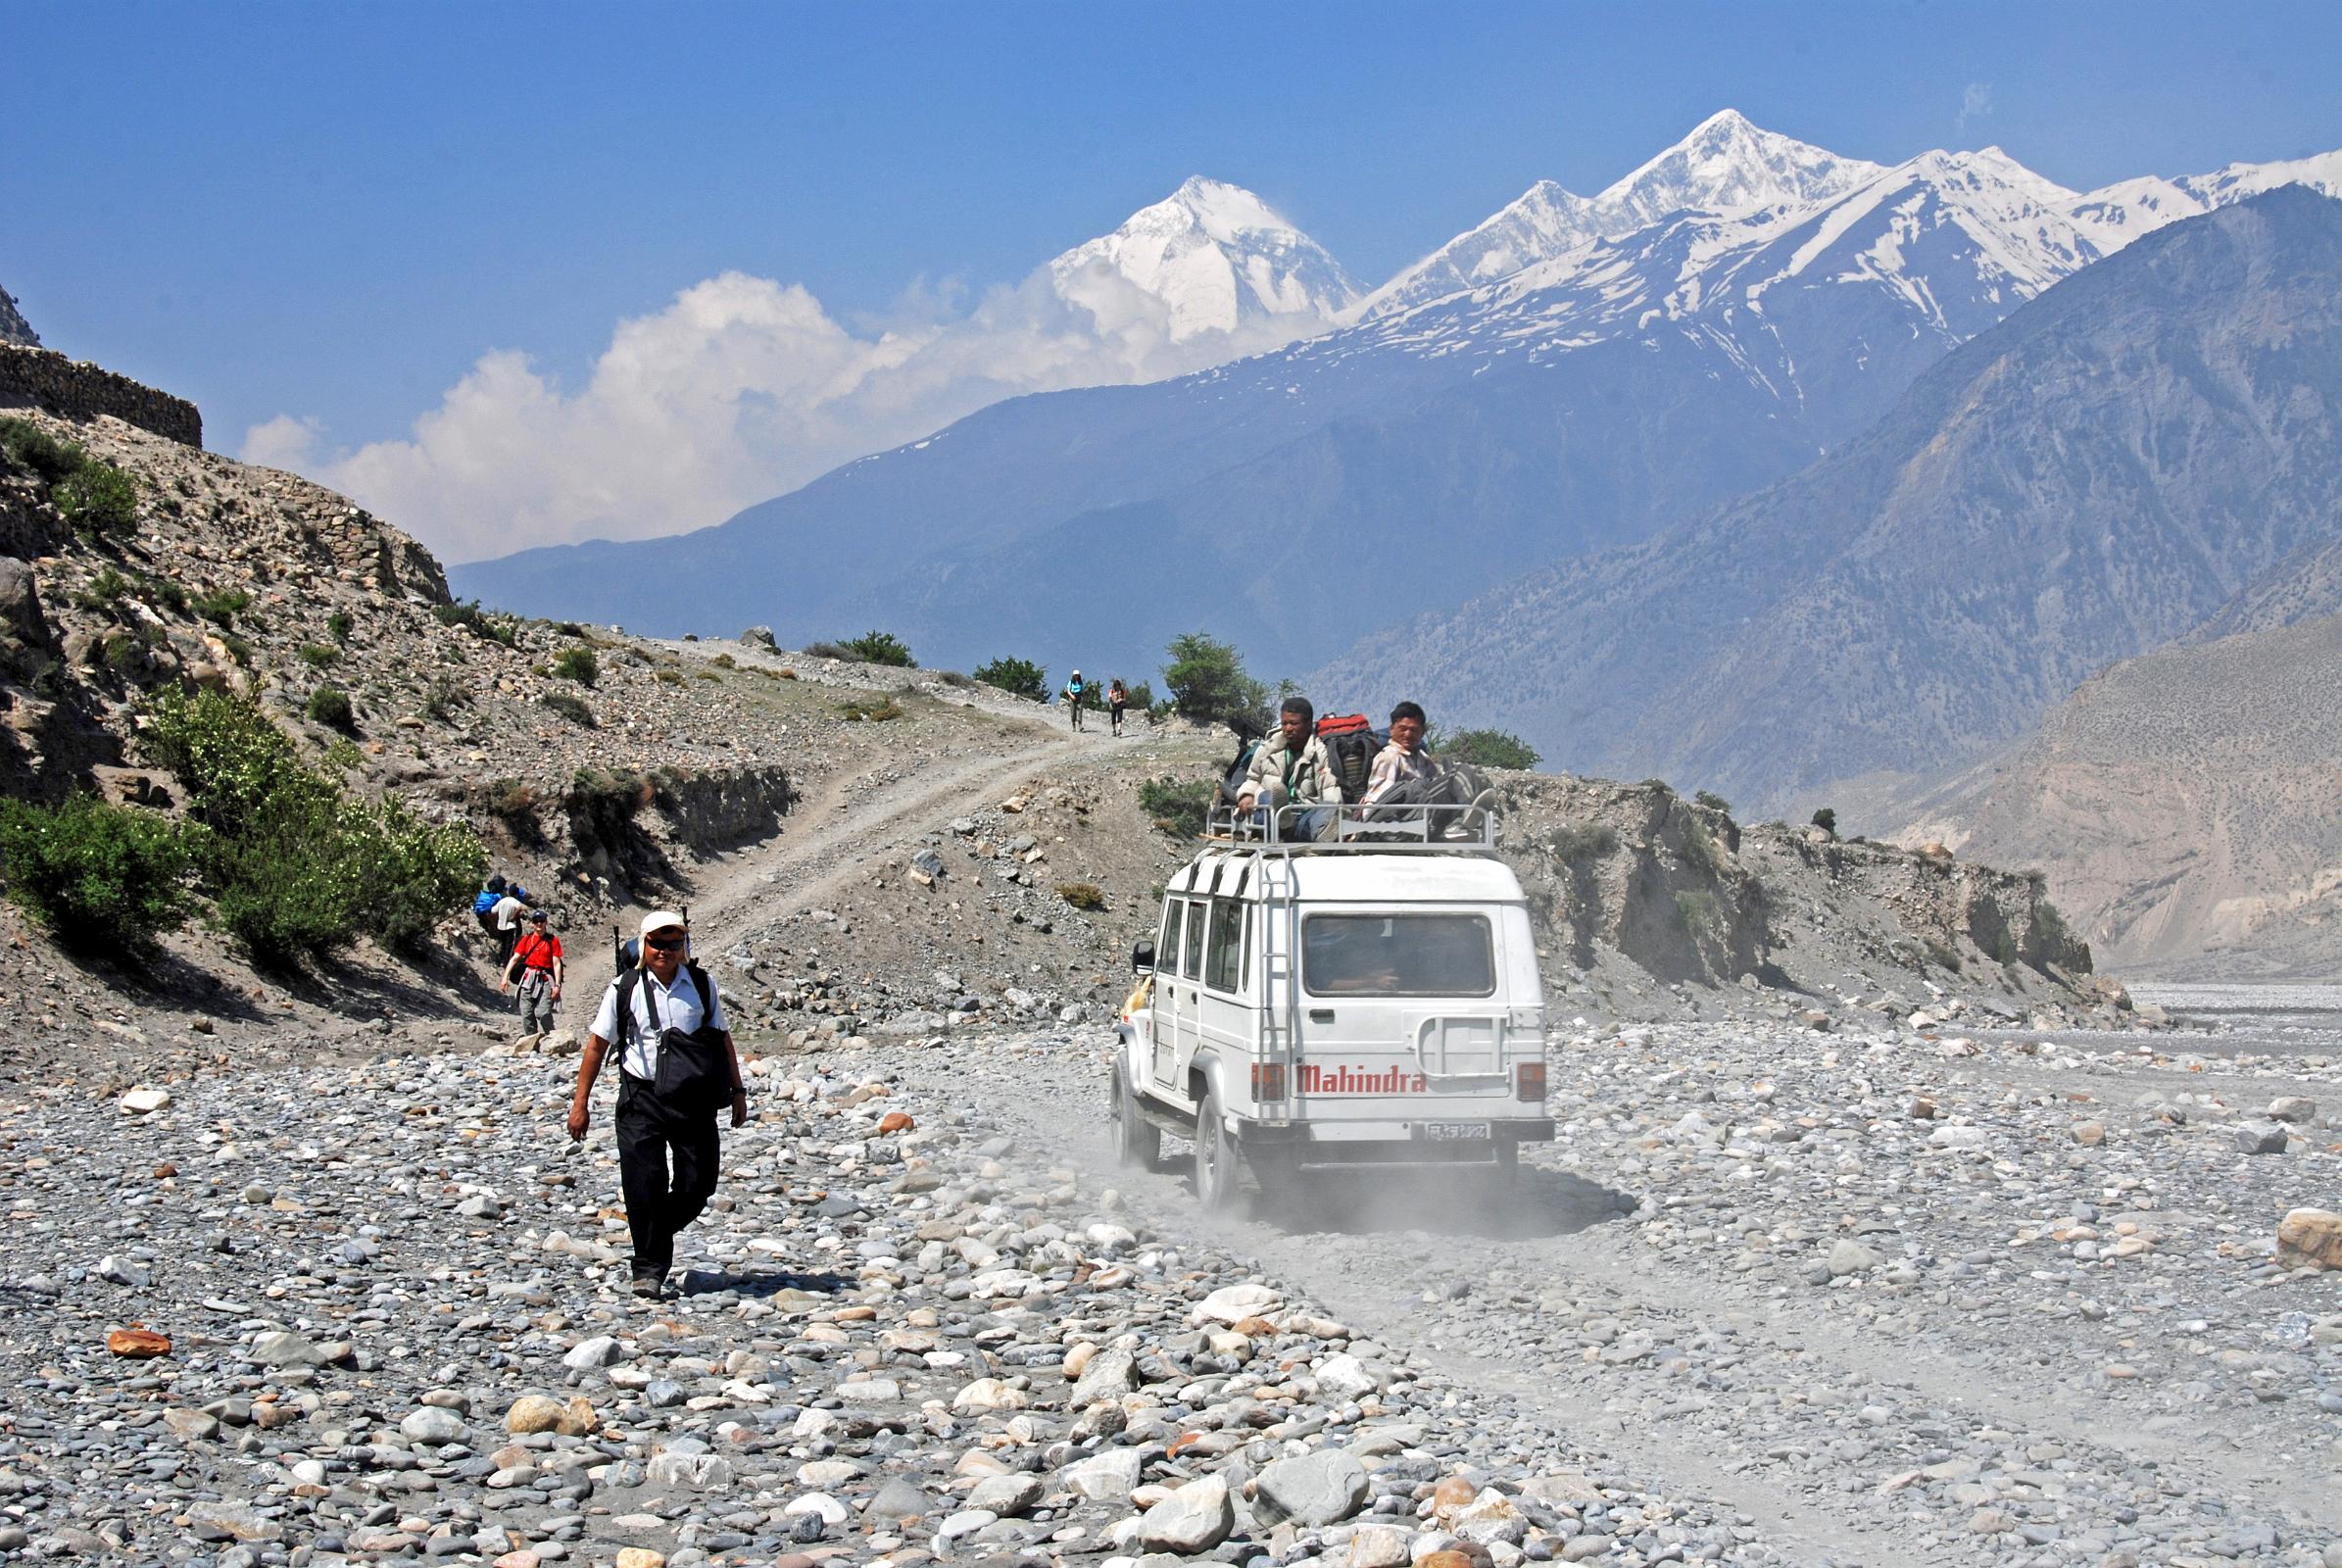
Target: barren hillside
[(2184, 805)]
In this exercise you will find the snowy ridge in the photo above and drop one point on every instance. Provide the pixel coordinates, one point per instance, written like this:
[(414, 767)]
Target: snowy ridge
[(2124, 211), (1215, 255), (1725, 165)]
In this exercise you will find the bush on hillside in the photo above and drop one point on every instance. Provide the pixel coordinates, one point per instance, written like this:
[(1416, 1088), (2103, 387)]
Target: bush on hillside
[(1018, 678), (1208, 683), (1488, 748), (1176, 808), (296, 867), (1827, 821), (1712, 801), (100, 877), (579, 664), (571, 707), (97, 498), (330, 706), (495, 628), (881, 648), (28, 446)]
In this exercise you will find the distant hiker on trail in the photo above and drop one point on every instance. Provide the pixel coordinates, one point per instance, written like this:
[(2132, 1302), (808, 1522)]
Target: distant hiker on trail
[(1118, 697), (1292, 768), (1075, 691), (676, 1069), (536, 967), (483, 903), (508, 912)]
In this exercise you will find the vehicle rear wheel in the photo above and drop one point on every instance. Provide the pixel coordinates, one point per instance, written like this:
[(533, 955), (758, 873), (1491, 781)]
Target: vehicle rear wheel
[(1508, 1163), (1137, 1141), (1215, 1157)]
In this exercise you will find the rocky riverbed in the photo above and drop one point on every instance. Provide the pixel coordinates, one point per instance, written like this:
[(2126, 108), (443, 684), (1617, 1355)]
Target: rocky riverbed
[(1772, 1298)]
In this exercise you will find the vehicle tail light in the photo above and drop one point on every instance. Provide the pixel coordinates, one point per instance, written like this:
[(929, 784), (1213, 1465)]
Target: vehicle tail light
[(1528, 1082), (1268, 1079)]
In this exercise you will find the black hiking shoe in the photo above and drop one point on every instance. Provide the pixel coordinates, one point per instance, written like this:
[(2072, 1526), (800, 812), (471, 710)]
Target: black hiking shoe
[(649, 1285)]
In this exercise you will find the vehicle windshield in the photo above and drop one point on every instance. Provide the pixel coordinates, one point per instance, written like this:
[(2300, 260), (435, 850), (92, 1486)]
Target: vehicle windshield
[(1397, 956)]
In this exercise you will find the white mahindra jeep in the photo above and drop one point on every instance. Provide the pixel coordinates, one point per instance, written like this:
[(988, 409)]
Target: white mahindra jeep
[(1370, 1000)]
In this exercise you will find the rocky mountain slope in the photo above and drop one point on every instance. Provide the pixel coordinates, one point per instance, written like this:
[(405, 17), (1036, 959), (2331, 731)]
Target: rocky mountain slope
[(13, 329), (2183, 804), (2091, 479), (1570, 375)]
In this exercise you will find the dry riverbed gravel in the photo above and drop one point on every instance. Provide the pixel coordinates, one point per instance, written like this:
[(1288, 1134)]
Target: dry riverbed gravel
[(1772, 1298)]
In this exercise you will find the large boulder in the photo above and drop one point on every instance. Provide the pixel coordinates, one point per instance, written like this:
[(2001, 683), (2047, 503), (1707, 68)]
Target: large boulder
[(1322, 1488), (2311, 1236)]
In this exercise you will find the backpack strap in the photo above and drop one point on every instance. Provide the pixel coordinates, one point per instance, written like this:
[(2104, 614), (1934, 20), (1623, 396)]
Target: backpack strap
[(699, 977), (626, 983)]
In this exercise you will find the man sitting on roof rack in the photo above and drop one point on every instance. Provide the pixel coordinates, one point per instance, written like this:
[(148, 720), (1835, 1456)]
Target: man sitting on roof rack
[(1408, 778), (1292, 768)]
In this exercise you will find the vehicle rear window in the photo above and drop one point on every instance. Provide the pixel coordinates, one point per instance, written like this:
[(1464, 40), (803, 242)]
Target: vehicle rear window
[(1397, 956)]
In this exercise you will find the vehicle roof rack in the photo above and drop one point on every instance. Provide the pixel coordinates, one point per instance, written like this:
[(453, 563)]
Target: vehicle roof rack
[(1350, 828)]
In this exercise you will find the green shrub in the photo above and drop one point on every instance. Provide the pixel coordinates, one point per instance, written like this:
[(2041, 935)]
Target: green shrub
[(878, 711), (338, 625), (298, 867), (106, 589), (669, 677), (1712, 801), (100, 877), (1208, 685), (330, 706), (579, 664), (570, 707), (1018, 678), (1176, 808), (1700, 847), (98, 498), (567, 628), (238, 649), (443, 697), (1587, 840), (125, 654), (1827, 821), (1084, 896), (343, 756), (1142, 697), (318, 655), (222, 606), (1700, 913), (827, 651), (28, 446), (881, 648), (1488, 748), (495, 628), (724, 661)]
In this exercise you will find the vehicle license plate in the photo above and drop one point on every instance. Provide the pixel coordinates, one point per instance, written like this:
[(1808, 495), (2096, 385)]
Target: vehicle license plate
[(1446, 1131)]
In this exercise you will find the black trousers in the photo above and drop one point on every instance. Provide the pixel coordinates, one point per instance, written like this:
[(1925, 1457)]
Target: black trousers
[(652, 1135)]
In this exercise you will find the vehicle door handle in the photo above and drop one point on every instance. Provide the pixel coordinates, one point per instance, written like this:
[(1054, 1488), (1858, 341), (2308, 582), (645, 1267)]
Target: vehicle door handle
[(1321, 1016)]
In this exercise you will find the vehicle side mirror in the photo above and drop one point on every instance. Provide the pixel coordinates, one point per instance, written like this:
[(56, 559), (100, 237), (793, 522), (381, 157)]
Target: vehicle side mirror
[(1142, 957)]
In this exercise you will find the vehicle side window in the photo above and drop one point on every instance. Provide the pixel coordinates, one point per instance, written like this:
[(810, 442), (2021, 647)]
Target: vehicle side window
[(1222, 968), (1166, 950), (1190, 963)]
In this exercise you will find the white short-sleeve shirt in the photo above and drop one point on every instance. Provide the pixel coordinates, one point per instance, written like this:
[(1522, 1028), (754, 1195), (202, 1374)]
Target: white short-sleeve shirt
[(678, 1009)]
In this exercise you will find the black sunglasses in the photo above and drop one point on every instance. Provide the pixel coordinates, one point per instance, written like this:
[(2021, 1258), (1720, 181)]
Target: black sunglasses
[(666, 944)]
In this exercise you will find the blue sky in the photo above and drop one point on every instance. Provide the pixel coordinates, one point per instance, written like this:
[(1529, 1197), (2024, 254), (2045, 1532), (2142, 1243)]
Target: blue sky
[(333, 211)]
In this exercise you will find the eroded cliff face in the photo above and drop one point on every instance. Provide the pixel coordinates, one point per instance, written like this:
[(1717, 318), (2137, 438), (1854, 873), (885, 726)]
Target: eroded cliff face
[(1637, 890)]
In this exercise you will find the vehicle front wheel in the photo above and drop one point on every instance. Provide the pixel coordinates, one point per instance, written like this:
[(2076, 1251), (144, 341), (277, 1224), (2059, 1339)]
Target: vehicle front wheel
[(1137, 1141), (1215, 1157)]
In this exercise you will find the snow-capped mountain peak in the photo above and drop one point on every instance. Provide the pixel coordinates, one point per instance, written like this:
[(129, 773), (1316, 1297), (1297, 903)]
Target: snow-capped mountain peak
[(1728, 164), (1725, 165), (1215, 256), (2121, 212)]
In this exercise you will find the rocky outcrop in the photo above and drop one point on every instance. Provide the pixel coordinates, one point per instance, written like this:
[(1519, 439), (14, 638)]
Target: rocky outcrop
[(15, 331), (1638, 869), (35, 377)]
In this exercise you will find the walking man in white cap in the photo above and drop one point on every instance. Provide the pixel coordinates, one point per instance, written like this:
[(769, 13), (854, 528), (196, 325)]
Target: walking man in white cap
[(676, 1070)]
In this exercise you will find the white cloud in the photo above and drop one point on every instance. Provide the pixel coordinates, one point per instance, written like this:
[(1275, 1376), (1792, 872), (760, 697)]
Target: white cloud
[(740, 389), (1976, 103)]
